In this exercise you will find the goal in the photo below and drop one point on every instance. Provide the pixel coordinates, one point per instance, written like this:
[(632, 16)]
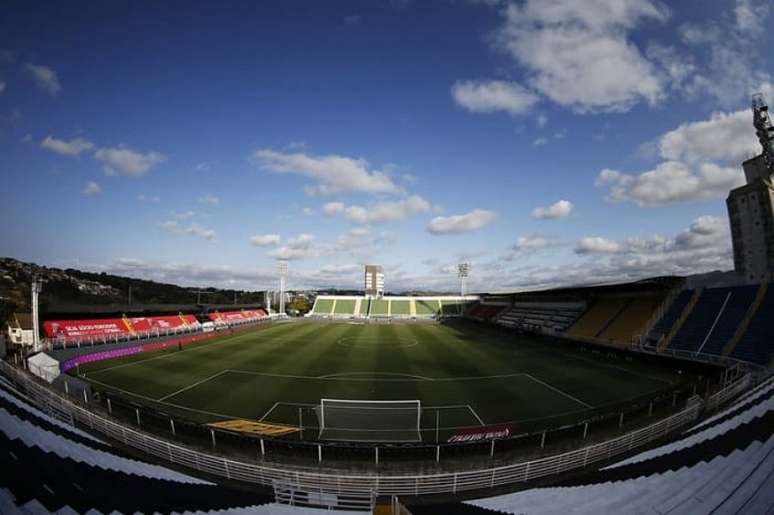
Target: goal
[(369, 421)]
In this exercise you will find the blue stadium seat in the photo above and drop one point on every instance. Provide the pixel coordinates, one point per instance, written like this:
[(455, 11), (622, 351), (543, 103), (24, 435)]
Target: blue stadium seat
[(757, 344), (663, 326), (733, 314)]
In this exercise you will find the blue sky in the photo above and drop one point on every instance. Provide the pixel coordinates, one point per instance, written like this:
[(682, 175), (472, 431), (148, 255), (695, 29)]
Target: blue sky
[(547, 142)]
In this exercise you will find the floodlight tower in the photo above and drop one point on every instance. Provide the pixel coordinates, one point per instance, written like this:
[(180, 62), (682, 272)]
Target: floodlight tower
[(37, 287), (282, 267), (463, 271), (764, 129)]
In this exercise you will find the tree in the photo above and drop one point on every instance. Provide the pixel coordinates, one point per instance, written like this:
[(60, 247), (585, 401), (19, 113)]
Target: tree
[(300, 305)]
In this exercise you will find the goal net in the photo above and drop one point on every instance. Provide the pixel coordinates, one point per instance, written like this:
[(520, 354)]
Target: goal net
[(369, 421)]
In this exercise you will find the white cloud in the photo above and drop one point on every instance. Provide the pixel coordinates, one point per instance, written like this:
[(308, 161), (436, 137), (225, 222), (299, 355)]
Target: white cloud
[(530, 243), (493, 95), (732, 63), (45, 78), (670, 182), (184, 215), (456, 224), (701, 161), (541, 120), (579, 54), (539, 142), (128, 161), (142, 197), (174, 227), (724, 137), (209, 199), (705, 232), (750, 15), (303, 246), (597, 245), (91, 188), (381, 212), (74, 147), (265, 240), (192, 275), (333, 173), (333, 208), (559, 209)]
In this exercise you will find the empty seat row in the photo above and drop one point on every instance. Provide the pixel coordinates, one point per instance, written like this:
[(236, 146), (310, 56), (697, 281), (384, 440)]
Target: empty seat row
[(725, 467), (547, 316), (757, 343)]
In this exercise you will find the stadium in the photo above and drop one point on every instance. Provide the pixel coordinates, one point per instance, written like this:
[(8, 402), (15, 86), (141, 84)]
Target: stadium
[(387, 370)]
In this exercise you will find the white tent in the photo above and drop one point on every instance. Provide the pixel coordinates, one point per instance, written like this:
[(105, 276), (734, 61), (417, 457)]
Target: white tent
[(44, 366)]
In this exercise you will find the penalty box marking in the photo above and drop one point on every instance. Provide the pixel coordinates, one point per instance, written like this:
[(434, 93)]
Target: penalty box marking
[(412, 379)]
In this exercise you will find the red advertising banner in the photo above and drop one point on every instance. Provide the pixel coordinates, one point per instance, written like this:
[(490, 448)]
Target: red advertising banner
[(84, 328)]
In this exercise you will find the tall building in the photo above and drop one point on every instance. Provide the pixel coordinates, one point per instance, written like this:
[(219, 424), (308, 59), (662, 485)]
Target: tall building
[(751, 207), (374, 280)]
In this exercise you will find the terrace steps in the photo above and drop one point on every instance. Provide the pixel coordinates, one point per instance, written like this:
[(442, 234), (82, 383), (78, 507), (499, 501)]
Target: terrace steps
[(607, 324), (751, 313), (663, 344)]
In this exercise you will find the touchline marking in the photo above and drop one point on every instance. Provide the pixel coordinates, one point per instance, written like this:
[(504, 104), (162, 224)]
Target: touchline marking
[(206, 344), (557, 390), (404, 378), (171, 404), (608, 365), (344, 375), (170, 354), (197, 383)]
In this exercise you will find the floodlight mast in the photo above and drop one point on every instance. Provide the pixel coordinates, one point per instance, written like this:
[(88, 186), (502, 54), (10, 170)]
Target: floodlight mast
[(463, 271), (37, 287), (764, 129), (282, 267)]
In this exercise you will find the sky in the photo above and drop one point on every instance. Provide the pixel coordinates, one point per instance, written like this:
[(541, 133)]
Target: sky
[(546, 142)]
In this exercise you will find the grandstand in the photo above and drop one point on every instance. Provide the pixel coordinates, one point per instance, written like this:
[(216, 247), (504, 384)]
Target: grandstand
[(545, 317), (728, 321), (338, 306), (106, 329), (729, 326)]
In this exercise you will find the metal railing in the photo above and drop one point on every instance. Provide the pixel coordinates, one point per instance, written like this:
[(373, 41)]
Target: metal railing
[(729, 392), (331, 482), (76, 342)]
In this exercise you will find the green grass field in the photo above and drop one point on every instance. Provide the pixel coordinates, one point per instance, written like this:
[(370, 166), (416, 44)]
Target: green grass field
[(469, 374)]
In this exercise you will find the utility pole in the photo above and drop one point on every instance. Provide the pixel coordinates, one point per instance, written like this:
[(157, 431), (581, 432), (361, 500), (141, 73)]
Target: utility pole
[(199, 295)]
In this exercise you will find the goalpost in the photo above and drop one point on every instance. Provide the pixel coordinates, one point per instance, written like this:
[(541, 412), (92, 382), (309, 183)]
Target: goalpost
[(370, 421)]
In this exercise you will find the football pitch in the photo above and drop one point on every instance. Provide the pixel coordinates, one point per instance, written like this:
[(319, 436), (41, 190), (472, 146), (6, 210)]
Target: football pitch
[(464, 375)]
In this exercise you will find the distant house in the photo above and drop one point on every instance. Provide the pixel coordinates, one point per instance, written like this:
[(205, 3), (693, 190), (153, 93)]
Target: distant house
[(20, 329)]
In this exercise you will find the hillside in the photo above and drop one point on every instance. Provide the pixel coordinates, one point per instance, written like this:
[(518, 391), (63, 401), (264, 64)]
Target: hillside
[(65, 290)]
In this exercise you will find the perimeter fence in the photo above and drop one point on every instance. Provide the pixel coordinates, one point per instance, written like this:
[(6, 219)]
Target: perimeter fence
[(365, 485)]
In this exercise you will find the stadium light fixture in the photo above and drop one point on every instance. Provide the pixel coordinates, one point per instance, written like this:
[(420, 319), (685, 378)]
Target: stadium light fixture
[(282, 268), (463, 271), (37, 287)]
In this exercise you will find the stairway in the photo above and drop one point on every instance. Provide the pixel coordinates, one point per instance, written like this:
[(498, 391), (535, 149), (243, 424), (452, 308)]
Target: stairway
[(663, 344), (129, 326), (751, 312), (607, 324)]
